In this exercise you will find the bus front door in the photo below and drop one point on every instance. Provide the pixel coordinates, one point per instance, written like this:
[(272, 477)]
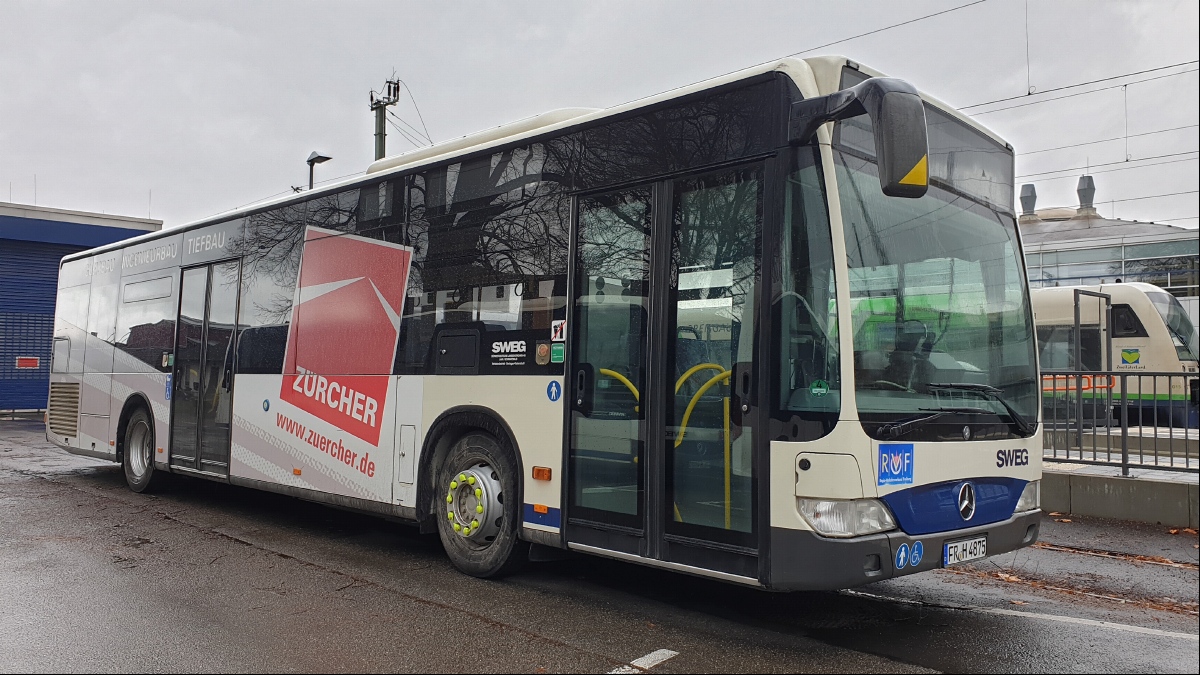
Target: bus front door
[(202, 379), (661, 378)]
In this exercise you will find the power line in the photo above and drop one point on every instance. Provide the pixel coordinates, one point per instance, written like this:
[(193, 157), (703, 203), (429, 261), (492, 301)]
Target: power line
[(417, 108), (1080, 84), (1089, 167), (1108, 140), (1172, 220), (895, 25), (1124, 168), (414, 129), (1135, 199), (407, 136), (1083, 93)]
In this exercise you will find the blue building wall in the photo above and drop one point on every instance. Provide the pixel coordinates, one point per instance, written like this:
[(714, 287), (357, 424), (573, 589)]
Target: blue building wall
[(30, 251)]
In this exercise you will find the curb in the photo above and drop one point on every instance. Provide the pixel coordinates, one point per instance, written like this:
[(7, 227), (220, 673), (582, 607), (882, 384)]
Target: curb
[(1144, 500)]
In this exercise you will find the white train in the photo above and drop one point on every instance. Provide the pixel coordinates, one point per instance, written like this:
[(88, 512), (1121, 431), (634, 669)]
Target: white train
[(1151, 333)]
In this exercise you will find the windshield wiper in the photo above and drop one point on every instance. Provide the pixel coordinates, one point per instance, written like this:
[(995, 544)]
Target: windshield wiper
[(991, 393), (900, 427)]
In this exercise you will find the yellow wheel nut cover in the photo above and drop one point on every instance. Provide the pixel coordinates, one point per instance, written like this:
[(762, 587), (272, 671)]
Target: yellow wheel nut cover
[(450, 515), (478, 492), (474, 523), (471, 480), (457, 527), (479, 508), (462, 476), (449, 499)]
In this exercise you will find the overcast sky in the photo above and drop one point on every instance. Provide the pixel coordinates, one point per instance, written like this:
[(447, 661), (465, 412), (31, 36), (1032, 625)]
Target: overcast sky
[(213, 105)]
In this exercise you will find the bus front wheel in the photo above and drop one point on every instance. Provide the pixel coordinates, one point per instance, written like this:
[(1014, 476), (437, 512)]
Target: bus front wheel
[(139, 452), (477, 506)]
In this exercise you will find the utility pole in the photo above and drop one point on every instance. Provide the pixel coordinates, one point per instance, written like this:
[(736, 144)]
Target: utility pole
[(379, 104)]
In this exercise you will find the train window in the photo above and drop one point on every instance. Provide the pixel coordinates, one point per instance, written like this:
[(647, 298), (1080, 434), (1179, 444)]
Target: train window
[(1126, 324)]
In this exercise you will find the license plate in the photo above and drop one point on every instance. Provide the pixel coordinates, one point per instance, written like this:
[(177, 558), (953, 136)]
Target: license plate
[(967, 549)]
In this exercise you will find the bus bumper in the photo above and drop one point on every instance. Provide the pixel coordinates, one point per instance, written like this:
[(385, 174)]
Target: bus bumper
[(804, 561)]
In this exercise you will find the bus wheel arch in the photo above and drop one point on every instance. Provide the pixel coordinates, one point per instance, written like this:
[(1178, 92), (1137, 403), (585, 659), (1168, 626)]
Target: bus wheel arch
[(471, 480), (450, 427), (136, 436), (132, 404)]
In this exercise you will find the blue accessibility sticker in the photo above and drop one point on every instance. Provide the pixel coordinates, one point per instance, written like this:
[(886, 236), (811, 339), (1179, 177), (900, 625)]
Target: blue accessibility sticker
[(169, 377), (901, 556), (895, 464), (554, 391), (918, 552)]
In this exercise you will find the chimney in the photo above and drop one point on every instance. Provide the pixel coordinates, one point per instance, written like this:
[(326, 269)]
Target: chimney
[(1087, 194), (1028, 202)]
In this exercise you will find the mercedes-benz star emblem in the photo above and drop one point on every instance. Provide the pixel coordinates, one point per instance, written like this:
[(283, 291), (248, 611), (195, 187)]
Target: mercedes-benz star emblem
[(966, 501), (966, 433)]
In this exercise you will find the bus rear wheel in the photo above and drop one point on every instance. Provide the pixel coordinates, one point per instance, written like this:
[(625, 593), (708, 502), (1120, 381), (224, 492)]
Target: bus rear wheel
[(477, 506), (139, 453)]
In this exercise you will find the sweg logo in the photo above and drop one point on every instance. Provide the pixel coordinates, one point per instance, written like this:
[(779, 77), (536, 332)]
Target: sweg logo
[(895, 464), (345, 320), (341, 398), (205, 242), (510, 347), (1013, 457)]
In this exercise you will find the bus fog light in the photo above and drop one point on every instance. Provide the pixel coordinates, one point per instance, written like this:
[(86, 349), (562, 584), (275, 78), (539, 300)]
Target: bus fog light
[(846, 517), (1031, 497)]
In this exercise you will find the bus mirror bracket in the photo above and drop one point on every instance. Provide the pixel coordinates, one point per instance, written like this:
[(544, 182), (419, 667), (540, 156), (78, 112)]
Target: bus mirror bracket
[(898, 117)]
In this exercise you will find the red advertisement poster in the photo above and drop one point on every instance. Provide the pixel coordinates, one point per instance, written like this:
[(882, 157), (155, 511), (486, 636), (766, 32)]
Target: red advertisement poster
[(344, 329)]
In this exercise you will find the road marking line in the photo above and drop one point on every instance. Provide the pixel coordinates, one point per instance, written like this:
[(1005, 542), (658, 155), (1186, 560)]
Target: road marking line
[(646, 662), (1089, 622), (1032, 615)]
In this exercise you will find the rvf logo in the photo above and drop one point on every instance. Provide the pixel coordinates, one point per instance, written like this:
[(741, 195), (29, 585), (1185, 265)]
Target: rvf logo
[(895, 463), (1131, 356), (344, 329)]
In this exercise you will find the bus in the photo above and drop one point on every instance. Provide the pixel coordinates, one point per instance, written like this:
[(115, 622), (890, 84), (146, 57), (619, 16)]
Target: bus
[(1148, 331), (692, 332)]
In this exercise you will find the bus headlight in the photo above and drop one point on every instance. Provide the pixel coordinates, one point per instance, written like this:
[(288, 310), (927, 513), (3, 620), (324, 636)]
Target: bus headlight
[(1031, 497), (846, 517)]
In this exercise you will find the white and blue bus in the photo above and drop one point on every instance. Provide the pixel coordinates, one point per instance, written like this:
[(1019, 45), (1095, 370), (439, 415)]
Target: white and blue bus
[(772, 328)]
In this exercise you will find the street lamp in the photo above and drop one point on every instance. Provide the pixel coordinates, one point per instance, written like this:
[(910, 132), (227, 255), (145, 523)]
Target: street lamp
[(315, 158)]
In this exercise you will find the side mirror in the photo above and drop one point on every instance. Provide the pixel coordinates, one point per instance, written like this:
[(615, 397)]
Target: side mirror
[(898, 117)]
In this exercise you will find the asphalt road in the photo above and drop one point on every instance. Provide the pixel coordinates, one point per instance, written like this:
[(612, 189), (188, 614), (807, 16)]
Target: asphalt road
[(207, 577)]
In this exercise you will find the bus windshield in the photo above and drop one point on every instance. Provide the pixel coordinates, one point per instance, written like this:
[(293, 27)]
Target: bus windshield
[(1183, 333), (937, 298)]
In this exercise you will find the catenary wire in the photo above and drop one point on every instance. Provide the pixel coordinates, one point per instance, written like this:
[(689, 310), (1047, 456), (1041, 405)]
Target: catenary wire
[(1107, 140), (1081, 84), (1123, 168), (1089, 167), (1081, 93)]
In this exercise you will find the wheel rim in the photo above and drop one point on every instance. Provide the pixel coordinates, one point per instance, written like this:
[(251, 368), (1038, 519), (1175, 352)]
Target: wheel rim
[(474, 504), (138, 447)]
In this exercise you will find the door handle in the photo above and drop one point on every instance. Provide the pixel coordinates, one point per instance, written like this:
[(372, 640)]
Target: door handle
[(580, 387)]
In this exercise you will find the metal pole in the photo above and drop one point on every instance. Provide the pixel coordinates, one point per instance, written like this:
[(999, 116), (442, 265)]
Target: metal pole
[(380, 132), (1124, 425), (310, 175)]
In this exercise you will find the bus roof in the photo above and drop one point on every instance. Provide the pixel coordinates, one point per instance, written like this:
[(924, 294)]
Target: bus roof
[(824, 70)]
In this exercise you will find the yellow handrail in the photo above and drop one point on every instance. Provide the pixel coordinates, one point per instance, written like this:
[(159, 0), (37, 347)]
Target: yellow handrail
[(695, 369), (628, 385), (687, 414)]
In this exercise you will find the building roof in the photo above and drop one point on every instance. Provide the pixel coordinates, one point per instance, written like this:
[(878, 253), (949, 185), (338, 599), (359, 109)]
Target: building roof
[(1060, 228), (24, 222)]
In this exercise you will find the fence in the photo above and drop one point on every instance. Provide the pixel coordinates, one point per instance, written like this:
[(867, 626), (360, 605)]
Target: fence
[(1129, 419)]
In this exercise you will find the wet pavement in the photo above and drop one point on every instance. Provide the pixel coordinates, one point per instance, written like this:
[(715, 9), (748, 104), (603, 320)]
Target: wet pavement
[(207, 577)]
